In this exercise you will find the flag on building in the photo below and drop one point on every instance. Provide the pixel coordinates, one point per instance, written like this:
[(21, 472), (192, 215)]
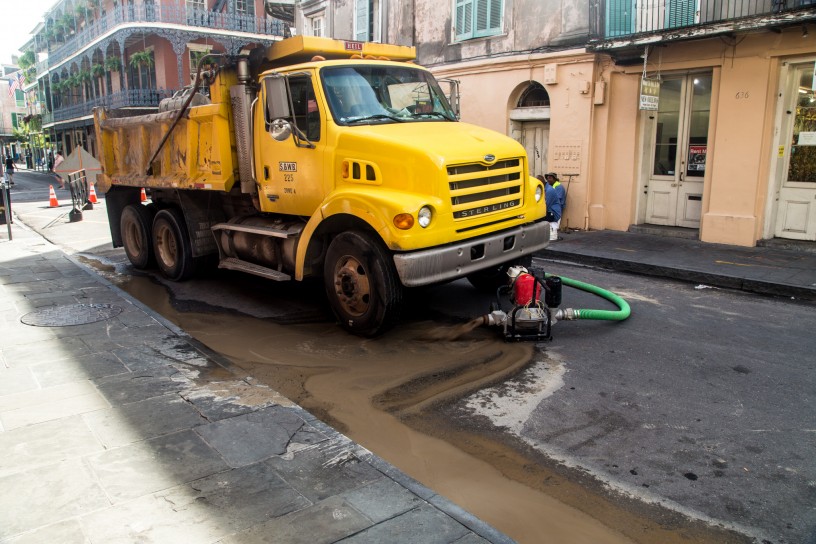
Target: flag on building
[(15, 82)]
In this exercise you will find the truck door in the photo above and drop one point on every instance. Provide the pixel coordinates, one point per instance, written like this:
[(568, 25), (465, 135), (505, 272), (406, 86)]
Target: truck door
[(290, 170)]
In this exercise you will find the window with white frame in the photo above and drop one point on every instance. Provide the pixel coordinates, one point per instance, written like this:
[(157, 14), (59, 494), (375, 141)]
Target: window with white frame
[(245, 7), (316, 23), (367, 20), (477, 18)]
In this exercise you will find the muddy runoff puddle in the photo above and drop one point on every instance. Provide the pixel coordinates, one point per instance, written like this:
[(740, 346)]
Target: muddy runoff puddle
[(386, 394)]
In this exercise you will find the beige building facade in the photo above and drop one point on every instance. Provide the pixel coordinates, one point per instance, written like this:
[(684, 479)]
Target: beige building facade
[(727, 151), (726, 156)]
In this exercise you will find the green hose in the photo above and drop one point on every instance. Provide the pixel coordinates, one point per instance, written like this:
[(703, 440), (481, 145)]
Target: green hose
[(606, 315)]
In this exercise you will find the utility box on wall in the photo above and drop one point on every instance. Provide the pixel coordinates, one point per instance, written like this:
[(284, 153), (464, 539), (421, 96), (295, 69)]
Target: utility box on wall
[(550, 74), (566, 157)]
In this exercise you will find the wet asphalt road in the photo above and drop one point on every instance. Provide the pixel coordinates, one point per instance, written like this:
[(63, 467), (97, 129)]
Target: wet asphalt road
[(703, 400)]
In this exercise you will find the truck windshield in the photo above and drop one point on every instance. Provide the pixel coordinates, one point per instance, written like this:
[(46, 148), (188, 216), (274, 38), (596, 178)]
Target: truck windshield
[(368, 95)]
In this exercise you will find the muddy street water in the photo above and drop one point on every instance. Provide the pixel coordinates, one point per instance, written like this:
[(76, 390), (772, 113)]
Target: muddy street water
[(386, 394)]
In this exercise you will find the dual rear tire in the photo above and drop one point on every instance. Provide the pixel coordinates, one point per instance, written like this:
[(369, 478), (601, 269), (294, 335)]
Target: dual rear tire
[(150, 237), (172, 245), (136, 223)]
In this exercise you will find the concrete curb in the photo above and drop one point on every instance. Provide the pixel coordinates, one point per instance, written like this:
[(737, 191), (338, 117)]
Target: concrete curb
[(684, 274)]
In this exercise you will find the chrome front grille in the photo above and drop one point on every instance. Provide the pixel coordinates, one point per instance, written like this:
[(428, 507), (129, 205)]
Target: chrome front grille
[(478, 189)]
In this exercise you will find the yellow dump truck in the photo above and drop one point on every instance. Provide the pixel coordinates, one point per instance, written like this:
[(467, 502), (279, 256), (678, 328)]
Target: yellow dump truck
[(320, 158)]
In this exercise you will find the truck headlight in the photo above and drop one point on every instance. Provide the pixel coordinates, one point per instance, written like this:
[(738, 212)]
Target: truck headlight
[(539, 192), (424, 216)]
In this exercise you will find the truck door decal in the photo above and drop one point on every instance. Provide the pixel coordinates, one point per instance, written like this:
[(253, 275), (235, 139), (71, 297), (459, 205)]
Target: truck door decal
[(287, 166)]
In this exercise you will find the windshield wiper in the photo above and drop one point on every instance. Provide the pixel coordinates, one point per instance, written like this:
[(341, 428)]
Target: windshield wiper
[(379, 116), (433, 114)]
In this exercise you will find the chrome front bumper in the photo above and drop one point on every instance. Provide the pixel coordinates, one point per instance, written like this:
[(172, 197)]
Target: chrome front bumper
[(439, 264)]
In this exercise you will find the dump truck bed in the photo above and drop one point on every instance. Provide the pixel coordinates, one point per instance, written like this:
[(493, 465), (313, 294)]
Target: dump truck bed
[(198, 154)]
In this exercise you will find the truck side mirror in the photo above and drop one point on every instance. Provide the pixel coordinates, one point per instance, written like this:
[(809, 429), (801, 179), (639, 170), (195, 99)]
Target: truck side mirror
[(280, 129), (452, 95), (277, 98)]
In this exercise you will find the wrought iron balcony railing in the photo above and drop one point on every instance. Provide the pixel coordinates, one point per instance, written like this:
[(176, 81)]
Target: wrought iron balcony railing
[(616, 20), (132, 98), (172, 14)]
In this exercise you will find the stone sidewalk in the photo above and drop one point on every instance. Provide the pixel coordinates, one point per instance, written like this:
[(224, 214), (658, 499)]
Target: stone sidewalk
[(115, 426)]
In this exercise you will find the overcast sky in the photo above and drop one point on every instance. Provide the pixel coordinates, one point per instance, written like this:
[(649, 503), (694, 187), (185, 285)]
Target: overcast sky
[(18, 20)]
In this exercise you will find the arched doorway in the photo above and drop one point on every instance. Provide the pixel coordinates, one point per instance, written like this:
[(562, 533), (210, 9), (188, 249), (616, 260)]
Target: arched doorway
[(530, 125)]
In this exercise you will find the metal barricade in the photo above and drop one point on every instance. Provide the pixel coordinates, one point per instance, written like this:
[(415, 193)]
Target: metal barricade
[(78, 184)]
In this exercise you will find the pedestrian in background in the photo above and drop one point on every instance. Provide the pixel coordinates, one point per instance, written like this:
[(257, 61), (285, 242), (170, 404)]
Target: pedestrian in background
[(9, 175), (552, 181), (58, 158), (551, 200)]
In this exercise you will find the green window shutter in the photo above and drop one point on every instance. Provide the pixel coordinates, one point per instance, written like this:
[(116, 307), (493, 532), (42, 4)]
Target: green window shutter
[(19, 96), (464, 19), (496, 15), (362, 21), (620, 17), (681, 13), (488, 17), (14, 122), (482, 17)]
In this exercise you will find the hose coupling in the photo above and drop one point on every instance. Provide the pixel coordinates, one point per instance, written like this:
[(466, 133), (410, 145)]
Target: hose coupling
[(565, 314), (496, 317)]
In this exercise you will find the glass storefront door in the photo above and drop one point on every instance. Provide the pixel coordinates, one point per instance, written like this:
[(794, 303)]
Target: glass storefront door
[(796, 200), (679, 147)]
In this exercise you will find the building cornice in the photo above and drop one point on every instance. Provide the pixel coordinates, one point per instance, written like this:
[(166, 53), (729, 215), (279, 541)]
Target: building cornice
[(511, 62)]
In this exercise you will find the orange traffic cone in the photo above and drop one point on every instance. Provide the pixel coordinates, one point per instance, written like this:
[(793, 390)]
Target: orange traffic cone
[(52, 198), (144, 195), (92, 197)]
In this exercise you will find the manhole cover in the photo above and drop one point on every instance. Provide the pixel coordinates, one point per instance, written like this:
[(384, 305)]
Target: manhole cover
[(72, 314)]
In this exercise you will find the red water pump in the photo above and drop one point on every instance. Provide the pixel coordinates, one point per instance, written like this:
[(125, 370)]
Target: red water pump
[(523, 287), (532, 297)]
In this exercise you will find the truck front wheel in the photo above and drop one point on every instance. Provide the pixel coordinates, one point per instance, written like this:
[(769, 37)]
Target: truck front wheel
[(171, 245), (362, 284), (135, 224)]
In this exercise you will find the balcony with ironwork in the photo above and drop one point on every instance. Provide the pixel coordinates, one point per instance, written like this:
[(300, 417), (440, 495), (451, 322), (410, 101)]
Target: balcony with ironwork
[(159, 15), (130, 98), (620, 24)]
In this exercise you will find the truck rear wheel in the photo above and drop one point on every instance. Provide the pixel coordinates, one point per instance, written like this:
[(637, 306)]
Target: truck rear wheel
[(171, 245), (490, 279), (362, 284), (136, 223)]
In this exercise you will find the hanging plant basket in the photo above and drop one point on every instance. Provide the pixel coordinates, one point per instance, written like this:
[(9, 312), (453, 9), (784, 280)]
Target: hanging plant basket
[(113, 64), (141, 58)]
